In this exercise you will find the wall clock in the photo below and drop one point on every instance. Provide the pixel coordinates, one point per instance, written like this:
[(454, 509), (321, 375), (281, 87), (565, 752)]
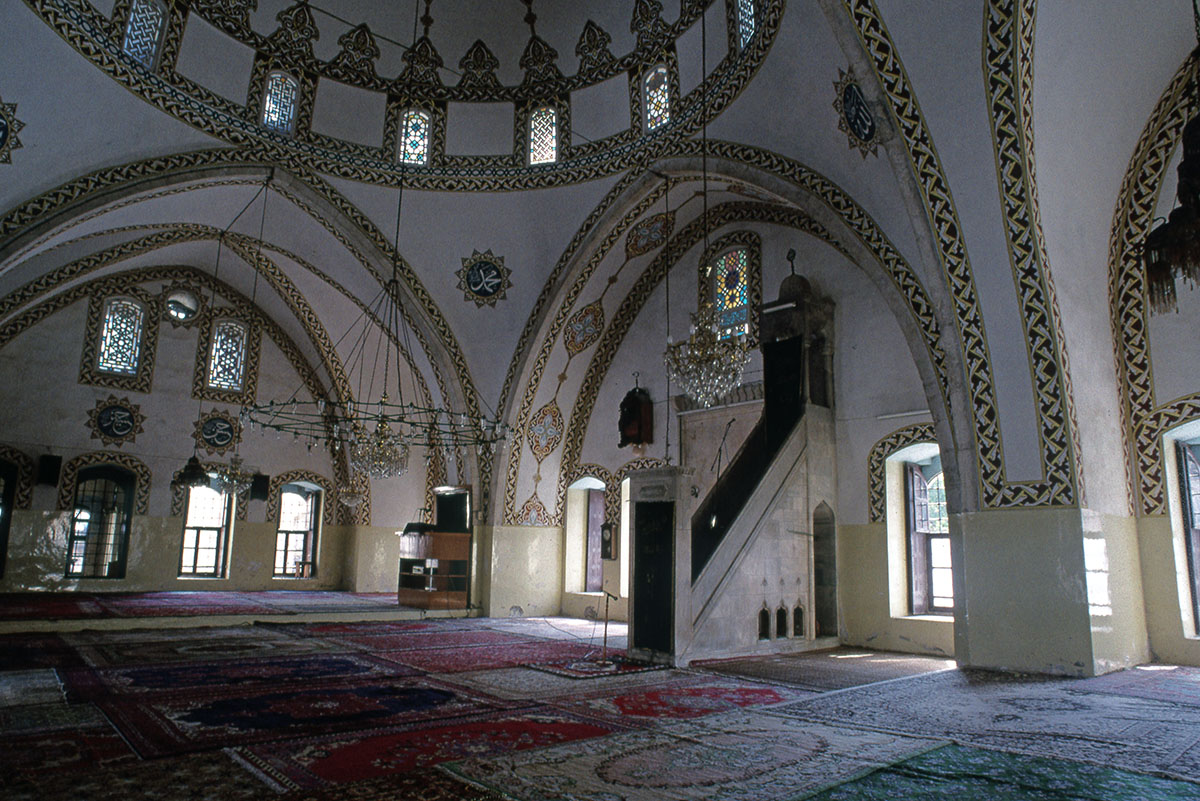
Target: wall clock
[(484, 278)]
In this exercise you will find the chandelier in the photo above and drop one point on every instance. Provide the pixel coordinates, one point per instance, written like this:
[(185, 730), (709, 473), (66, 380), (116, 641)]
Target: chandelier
[(233, 478), (708, 364)]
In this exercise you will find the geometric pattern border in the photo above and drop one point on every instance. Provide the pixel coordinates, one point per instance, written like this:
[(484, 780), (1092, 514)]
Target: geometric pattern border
[(880, 451), (23, 498), (70, 474)]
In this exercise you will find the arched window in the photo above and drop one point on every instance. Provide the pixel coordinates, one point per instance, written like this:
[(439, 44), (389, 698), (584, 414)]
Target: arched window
[(121, 337), (99, 535), (656, 95), (227, 356), (543, 136), (143, 32), (1189, 468), (279, 102), (731, 291), (414, 139), (746, 27), (295, 540), (206, 533)]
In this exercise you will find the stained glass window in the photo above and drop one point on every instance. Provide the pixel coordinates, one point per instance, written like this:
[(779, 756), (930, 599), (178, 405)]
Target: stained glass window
[(205, 533), (543, 136), (731, 292), (657, 91), (143, 33), (279, 102), (745, 21), (414, 144), (121, 337), (227, 358), (296, 537)]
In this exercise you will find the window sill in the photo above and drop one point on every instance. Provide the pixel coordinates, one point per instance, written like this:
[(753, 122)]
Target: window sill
[(936, 618)]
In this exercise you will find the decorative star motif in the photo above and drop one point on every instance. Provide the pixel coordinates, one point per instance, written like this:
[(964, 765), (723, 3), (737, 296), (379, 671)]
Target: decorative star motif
[(217, 432), (115, 421), (484, 278), (9, 127), (854, 115)]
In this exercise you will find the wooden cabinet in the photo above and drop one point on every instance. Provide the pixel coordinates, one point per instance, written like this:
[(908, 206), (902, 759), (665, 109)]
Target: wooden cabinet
[(434, 568)]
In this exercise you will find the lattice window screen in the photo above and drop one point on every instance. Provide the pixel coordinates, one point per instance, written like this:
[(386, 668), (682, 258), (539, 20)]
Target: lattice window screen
[(121, 337), (414, 144), (658, 98), (543, 136), (227, 359), (279, 102), (745, 21), (732, 292), (147, 19)]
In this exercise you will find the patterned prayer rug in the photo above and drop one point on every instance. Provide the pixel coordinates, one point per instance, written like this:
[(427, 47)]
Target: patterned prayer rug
[(489, 657), (408, 641), (371, 628), (1031, 715), (834, 669), (738, 756), (1179, 685), (688, 697), (34, 718), (310, 762), (48, 606), (29, 651), (203, 777), (18, 687), (121, 653), (62, 751), (310, 670), (596, 667), (956, 773), (418, 785), (522, 683), (176, 604), (158, 726)]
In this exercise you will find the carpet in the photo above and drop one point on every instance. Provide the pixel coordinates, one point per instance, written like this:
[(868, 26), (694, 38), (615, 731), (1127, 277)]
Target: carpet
[(1030, 715), (314, 761), (689, 698), (957, 773), (833, 669), (419, 785), (595, 667), (406, 641), (194, 722), (87, 684), (367, 629), (36, 718), (522, 683), (187, 647), (1179, 685), (489, 657), (738, 756), (19, 687), (177, 604), (30, 651), (62, 751), (48, 606), (201, 777)]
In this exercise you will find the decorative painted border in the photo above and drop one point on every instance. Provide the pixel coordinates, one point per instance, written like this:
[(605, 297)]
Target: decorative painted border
[(880, 451), (140, 381), (1008, 65), (1143, 421), (70, 474), (328, 495), (253, 351), (23, 497)]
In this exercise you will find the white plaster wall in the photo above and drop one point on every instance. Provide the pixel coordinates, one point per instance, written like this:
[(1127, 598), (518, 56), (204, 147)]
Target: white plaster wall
[(525, 575), (215, 60)]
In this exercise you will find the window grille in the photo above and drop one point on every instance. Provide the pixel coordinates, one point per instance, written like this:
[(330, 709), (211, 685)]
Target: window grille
[(279, 102), (657, 93), (99, 533), (746, 25), (121, 337), (414, 144), (143, 33), (227, 359), (205, 533), (930, 565), (543, 136), (296, 537), (731, 290)]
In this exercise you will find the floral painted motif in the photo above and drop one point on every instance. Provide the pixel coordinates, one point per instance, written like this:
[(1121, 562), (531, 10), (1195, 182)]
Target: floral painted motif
[(649, 234), (545, 430), (533, 513), (584, 328)]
